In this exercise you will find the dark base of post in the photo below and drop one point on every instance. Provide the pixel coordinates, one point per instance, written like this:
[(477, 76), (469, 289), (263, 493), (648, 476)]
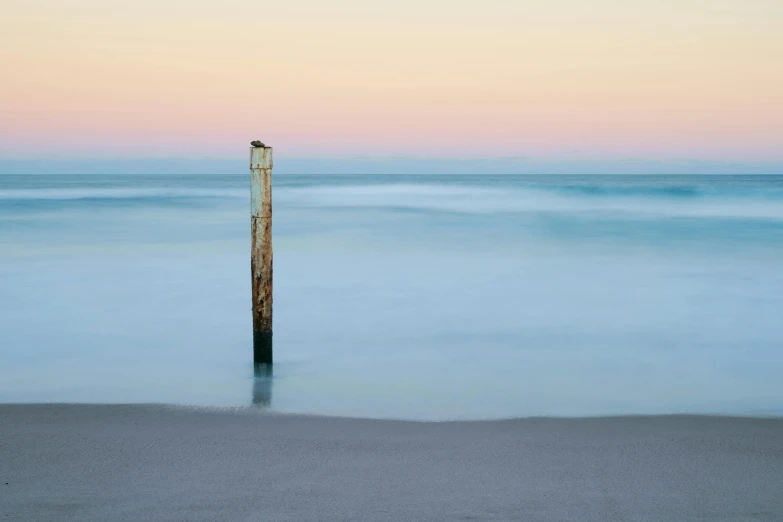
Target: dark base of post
[(262, 347)]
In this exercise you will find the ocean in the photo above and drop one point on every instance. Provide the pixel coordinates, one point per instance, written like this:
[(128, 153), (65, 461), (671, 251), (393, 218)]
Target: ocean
[(429, 297)]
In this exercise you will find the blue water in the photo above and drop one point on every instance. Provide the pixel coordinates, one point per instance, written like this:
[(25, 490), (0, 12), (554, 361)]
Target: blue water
[(422, 297)]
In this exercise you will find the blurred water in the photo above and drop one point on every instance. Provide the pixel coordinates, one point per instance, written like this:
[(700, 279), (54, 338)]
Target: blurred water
[(425, 297)]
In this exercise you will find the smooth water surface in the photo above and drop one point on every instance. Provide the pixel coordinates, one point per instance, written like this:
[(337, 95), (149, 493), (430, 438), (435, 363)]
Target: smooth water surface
[(425, 297)]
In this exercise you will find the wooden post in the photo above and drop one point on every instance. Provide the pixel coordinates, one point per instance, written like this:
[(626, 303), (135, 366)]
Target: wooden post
[(261, 251)]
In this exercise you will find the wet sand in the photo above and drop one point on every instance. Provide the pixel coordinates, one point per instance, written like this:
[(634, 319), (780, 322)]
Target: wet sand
[(135, 463)]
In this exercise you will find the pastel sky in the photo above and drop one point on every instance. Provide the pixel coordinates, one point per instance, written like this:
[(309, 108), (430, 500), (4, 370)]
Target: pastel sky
[(651, 80)]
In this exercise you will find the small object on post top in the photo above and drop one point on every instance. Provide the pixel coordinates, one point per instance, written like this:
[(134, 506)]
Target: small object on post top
[(257, 144)]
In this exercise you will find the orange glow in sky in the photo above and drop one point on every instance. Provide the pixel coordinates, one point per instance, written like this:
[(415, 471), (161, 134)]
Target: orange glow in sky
[(689, 79)]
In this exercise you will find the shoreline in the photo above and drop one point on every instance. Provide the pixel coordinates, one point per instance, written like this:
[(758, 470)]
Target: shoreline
[(269, 411), (171, 463)]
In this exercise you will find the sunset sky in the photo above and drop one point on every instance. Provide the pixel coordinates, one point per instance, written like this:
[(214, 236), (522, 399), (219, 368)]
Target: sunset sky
[(557, 80)]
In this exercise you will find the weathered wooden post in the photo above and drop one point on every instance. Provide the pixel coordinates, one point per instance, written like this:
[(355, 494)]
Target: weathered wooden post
[(261, 250)]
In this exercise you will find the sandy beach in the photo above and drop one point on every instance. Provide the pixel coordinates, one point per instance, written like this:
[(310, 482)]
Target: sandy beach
[(139, 462)]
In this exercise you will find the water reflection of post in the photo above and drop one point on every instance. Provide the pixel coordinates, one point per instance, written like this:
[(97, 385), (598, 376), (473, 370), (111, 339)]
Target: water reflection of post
[(262, 385)]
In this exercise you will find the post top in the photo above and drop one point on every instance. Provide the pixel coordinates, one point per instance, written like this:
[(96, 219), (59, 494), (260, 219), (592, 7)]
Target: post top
[(261, 157)]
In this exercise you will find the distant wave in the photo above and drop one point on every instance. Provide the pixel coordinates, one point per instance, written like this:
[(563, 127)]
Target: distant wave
[(677, 200), (119, 193), (668, 191), (655, 201), (682, 191)]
